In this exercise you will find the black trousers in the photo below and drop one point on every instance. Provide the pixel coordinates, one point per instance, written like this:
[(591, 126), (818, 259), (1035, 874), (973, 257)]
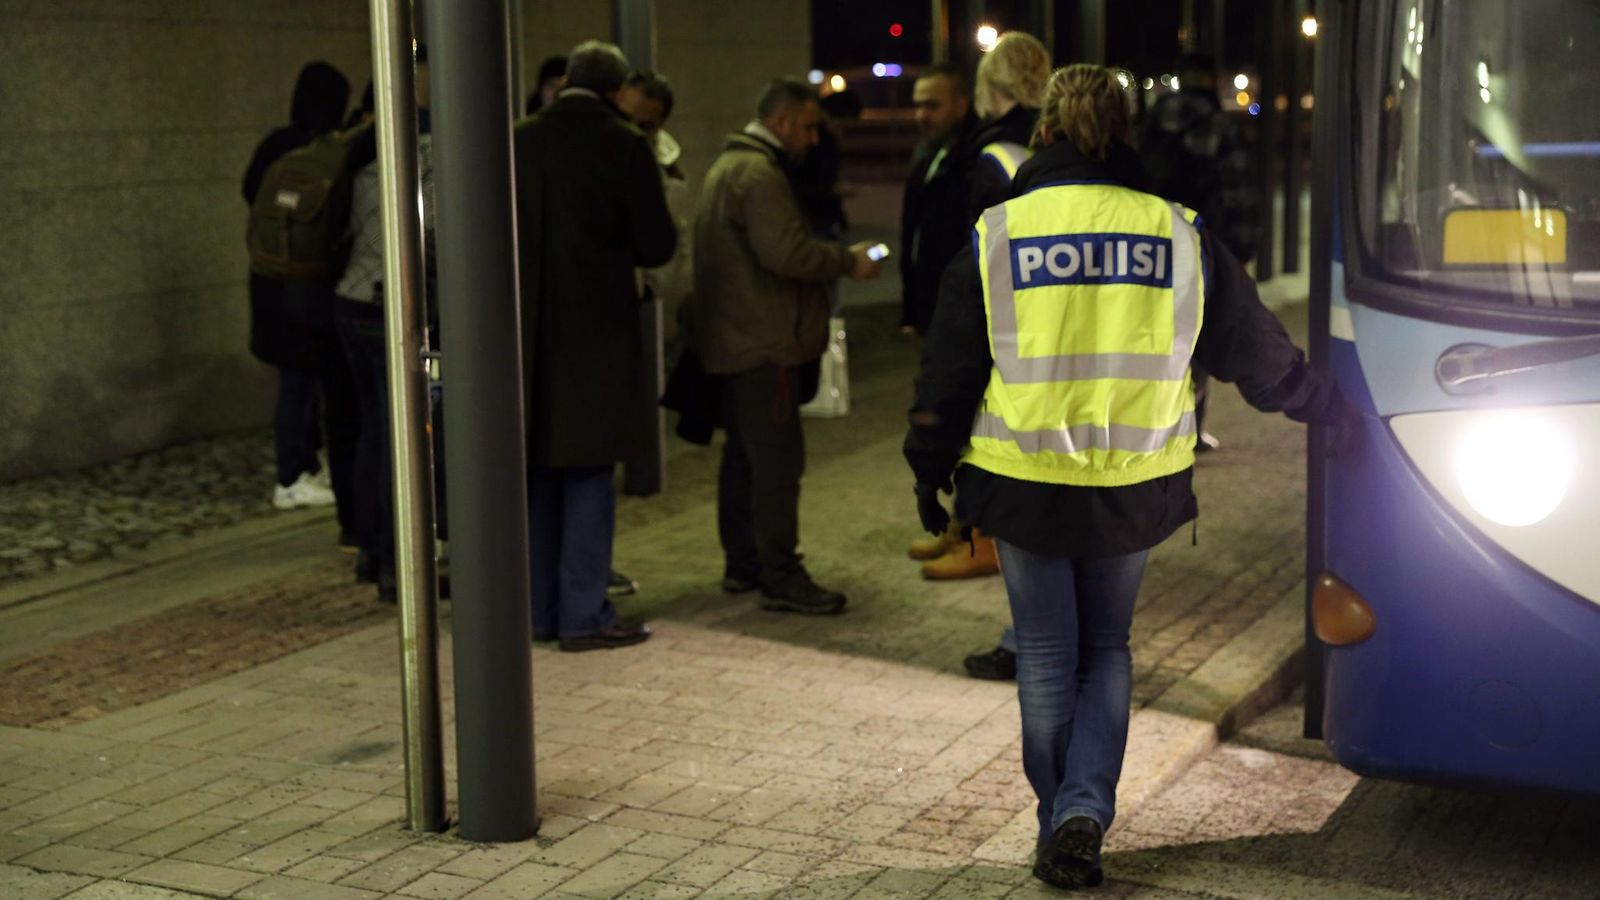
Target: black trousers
[(758, 486), (360, 327)]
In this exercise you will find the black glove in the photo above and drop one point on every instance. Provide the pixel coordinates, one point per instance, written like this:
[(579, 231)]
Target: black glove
[(934, 517)]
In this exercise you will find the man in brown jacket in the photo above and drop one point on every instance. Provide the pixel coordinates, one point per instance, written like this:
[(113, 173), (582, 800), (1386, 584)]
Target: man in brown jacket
[(758, 314)]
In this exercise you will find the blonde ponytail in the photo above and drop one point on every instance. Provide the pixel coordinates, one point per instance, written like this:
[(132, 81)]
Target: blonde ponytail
[(1085, 105)]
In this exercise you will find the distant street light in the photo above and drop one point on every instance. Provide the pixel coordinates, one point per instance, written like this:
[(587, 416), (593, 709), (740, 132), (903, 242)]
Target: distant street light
[(837, 83), (1308, 25), (1240, 82), (988, 36)]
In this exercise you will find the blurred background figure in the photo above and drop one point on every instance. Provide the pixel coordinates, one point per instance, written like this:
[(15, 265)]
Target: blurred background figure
[(1194, 155), (552, 74), (933, 215)]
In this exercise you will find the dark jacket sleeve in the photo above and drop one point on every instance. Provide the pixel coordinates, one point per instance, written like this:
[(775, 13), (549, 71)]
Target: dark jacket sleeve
[(654, 236), (1243, 343), (909, 214), (955, 373), (988, 186)]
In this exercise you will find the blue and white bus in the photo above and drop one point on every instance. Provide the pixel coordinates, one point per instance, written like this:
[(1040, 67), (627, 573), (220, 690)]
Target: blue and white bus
[(1454, 550)]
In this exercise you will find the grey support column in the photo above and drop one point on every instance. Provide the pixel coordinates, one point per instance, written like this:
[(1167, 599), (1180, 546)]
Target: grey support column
[(395, 106), (939, 31), (519, 57), (634, 22), (1090, 39), (482, 330)]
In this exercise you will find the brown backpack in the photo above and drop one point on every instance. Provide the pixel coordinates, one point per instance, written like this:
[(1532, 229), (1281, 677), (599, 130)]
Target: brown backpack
[(300, 221)]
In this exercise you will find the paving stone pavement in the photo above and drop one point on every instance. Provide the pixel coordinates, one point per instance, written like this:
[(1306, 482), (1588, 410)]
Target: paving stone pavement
[(736, 754), (1271, 815)]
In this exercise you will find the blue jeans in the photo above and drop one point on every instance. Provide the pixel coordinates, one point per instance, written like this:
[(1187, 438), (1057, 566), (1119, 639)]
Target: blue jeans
[(571, 518), (1074, 677)]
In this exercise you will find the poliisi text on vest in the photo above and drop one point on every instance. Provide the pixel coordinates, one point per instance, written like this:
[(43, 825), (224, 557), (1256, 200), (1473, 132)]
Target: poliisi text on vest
[(1086, 259)]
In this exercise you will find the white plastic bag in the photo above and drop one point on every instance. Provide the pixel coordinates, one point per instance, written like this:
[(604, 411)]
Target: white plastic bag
[(833, 386)]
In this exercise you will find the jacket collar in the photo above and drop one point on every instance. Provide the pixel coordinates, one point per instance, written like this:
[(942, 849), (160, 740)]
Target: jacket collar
[(756, 137), (1062, 162)]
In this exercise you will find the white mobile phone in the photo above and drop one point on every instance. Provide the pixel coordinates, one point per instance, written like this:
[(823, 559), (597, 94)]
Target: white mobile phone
[(878, 252)]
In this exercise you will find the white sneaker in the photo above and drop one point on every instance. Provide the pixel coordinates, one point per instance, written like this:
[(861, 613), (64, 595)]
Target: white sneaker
[(322, 478), (304, 492)]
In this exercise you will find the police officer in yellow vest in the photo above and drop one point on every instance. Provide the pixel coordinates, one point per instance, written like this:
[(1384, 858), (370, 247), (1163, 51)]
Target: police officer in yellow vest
[(1055, 393)]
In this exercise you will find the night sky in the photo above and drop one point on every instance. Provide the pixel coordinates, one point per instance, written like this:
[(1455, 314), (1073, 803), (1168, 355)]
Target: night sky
[(1141, 35)]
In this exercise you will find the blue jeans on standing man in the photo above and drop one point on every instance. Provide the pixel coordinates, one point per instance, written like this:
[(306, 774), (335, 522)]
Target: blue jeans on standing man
[(571, 518), (1074, 677)]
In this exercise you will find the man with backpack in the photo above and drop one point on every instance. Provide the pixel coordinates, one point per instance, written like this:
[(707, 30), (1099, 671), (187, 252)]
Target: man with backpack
[(291, 311)]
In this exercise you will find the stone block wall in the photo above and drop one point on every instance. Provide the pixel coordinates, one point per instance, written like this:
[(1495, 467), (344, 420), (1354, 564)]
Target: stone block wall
[(127, 127)]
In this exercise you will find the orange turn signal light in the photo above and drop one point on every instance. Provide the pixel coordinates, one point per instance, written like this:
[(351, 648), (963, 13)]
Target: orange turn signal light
[(1338, 614)]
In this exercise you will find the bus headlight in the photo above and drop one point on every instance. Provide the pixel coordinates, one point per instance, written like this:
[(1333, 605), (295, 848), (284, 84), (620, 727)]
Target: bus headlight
[(1514, 467)]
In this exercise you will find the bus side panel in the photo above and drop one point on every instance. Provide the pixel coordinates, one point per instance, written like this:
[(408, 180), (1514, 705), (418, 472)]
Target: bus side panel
[(1480, 669)]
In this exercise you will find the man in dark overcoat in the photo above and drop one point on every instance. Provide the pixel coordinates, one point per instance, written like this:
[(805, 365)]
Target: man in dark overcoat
[(590, 210)]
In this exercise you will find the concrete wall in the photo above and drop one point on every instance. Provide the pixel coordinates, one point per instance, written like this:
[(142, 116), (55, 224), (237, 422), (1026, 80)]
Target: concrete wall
[(127, 126), (718, 55)]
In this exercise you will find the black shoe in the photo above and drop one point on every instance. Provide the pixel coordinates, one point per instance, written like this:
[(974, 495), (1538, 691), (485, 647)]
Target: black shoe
[(1072, 857), (739, 582), (607, 638), (348, 542), (621, 585), (998, 664), (797, 593), (388, 589)]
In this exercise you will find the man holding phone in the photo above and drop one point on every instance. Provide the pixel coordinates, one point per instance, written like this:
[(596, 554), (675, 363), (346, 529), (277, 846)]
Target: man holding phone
[(759, 312)]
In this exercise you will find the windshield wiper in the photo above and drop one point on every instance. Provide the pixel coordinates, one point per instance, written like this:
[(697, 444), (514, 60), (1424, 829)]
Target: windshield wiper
[(1466, 363)]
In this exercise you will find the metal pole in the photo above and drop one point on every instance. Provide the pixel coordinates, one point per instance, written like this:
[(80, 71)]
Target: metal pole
[(939, 31), (394, 103), (1042, 24), (482, 330), (1189, 38), (1267, 145), (645, 473), (519, 58), (1329, 90), (1296, 46)]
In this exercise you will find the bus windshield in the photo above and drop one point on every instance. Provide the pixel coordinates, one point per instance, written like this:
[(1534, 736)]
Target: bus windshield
[(1480, 158)]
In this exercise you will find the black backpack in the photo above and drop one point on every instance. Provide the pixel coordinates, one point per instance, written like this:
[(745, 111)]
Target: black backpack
[(300, 221)]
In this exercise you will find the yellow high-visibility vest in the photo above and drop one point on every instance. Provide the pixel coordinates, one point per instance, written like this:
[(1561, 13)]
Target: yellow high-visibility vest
[(1094, 295), (1007, 155)]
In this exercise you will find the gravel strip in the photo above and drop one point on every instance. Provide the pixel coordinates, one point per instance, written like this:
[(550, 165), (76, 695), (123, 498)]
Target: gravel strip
[(58, 521)]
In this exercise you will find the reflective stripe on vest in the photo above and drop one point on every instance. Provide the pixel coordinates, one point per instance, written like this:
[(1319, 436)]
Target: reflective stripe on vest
[(1093, 294), (1008, 156)]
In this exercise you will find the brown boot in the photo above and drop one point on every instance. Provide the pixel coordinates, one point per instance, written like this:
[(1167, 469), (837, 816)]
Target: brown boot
[(965, 561), (935, 547)]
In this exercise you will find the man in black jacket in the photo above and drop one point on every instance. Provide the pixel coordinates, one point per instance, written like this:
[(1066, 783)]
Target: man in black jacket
[(934, 224), (590, 210)]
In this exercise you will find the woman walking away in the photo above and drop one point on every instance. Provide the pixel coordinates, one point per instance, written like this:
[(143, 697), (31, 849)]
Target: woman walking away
[(1073, 443)]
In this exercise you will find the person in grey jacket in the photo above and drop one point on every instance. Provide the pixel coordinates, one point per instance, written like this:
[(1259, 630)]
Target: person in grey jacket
[(758, 314)]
